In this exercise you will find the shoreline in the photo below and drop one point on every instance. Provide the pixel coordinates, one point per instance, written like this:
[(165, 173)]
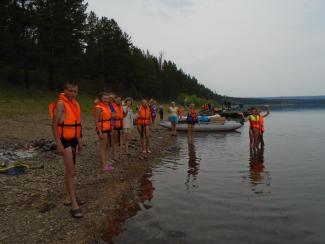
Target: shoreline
[(32, 208)]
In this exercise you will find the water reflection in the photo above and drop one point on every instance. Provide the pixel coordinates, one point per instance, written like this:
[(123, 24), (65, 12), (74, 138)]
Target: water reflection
[(258, 175), (193, 165), (128, 206)]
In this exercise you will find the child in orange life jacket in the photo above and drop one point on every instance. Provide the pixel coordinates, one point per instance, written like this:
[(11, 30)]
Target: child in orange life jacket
[(111, 101), (66, 128), (143, 124), (117, 126), (255, 128), (192, 118), (103, 120)]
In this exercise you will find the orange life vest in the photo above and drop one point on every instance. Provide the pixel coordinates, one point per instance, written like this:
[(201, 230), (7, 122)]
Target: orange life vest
[(70, 127), (179, 112), (255, 121), (192, 116), (118, 119), (104, 122), (262, 123), (144, 116)]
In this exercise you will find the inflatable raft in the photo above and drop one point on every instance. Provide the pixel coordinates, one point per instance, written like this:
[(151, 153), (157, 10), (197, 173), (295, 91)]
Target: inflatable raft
[(208, 127)]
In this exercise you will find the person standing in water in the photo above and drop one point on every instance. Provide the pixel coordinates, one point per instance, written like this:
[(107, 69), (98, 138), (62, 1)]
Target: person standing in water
[(103, 119), (255, 128), (143, 125), (192, 117), (127, 122), (173, 117), (66, 128), (262, 116)]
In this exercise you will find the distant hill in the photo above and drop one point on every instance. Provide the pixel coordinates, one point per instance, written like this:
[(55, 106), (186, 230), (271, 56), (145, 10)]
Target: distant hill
[(282, 101), (296, 98)]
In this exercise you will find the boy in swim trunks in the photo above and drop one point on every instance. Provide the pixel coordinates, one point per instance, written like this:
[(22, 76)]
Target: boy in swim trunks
[(66, 128)]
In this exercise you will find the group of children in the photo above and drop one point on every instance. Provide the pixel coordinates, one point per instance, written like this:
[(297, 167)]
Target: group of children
[(114, 120)]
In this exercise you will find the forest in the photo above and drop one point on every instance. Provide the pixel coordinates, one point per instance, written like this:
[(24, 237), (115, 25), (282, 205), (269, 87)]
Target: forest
[(45, 43)]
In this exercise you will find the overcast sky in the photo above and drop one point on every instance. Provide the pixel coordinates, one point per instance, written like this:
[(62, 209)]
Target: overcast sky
[(240, 48)]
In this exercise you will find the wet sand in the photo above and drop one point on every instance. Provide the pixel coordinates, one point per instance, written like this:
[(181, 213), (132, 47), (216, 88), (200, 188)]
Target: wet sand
[(31, 204)]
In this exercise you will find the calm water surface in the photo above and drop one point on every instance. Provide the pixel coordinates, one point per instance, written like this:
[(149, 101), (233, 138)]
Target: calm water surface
[(214, 191)]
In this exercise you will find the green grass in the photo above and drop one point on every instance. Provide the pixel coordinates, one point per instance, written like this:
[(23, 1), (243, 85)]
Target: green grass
[(17, 101)]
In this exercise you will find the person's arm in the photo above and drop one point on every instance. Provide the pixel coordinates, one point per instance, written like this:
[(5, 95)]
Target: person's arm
[(267, 111), (58, 112), (80, 146), (242, 115), (97, 118), (185, 104)]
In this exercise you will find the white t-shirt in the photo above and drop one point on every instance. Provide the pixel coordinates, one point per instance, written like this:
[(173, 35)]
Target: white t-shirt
[(173, 111), (128, 119)]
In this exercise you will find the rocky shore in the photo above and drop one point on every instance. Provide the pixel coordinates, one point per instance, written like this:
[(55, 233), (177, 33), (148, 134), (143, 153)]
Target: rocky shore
[(31, 205)]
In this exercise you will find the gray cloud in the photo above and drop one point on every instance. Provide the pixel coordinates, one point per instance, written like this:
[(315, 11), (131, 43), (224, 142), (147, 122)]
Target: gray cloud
[(236, 47)]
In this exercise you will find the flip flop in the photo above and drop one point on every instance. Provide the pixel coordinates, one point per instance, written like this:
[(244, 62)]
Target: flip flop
[(76, 213)]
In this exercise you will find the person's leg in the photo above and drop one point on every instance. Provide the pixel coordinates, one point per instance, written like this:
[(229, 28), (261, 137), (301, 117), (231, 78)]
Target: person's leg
[(147, 138), (69, 166), (173, 128), (256, 135), (103, 148), (251, 138), (262, 139), (141, 134), (126, 141), (116, 145)]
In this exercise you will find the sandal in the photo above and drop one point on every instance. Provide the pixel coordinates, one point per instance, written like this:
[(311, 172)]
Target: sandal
[(76, 213), (108, 168)]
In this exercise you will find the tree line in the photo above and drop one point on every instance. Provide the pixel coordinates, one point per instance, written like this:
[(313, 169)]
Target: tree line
[(45, 43)]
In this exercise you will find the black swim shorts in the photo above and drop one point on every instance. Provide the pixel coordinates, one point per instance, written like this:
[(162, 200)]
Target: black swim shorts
[(69, 143)]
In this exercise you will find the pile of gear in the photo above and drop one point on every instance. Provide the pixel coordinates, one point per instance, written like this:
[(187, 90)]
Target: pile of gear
[(16, 159)]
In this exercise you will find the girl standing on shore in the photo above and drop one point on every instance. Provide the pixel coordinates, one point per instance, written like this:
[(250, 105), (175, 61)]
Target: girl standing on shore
[(143, 125), (127, 123), (161, 112), (103, 116), (173, 117), (154, 111)]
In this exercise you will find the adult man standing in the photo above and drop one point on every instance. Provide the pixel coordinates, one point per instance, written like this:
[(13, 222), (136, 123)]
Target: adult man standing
[(66, 127)]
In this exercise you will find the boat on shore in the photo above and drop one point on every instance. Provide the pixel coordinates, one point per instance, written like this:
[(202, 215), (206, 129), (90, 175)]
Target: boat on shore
[(205, 127)]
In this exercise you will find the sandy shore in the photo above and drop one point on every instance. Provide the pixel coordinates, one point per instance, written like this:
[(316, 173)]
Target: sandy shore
[(31, 204)]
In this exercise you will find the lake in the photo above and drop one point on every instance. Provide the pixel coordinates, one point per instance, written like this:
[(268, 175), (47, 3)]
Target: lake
[(215, 191)]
